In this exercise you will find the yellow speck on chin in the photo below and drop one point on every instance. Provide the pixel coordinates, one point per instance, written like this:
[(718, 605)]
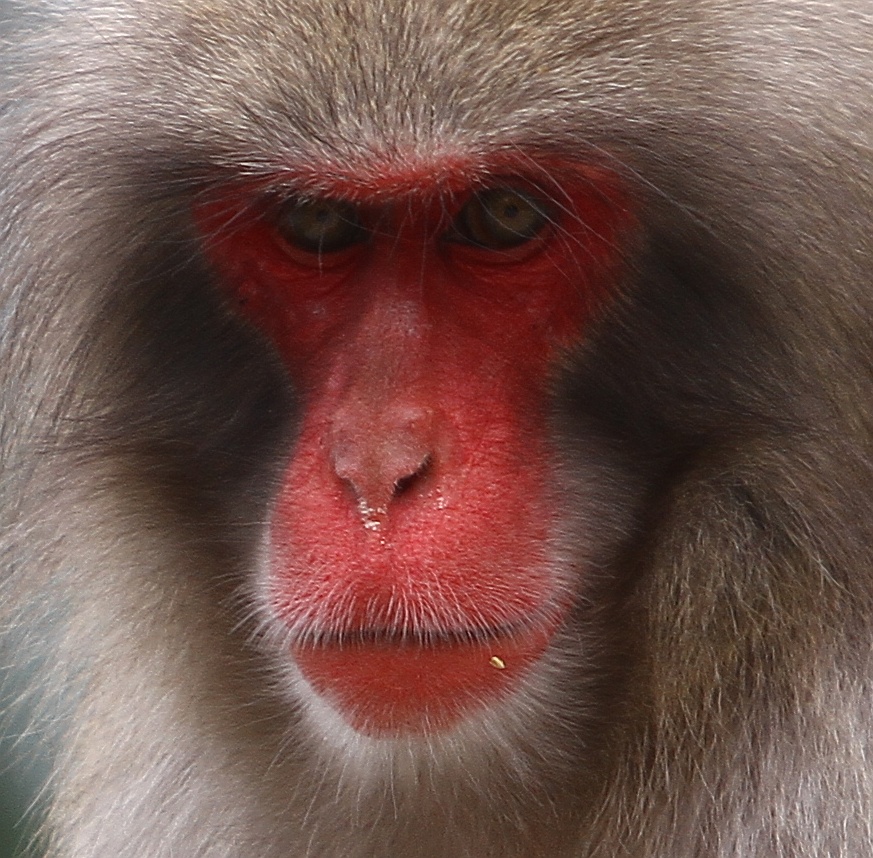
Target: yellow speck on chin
[(497, 661)]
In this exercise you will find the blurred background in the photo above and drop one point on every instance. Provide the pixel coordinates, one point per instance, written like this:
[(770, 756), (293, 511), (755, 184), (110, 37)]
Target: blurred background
[(22, 770)]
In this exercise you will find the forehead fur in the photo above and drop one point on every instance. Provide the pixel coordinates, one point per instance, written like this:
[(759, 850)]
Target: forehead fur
[(354, 82)]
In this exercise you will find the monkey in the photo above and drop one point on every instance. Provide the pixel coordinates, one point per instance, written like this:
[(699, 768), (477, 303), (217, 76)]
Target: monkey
[(442, 428)]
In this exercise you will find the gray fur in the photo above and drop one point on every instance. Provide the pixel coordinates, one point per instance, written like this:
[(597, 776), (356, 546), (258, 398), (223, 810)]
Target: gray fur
[(720, 702)]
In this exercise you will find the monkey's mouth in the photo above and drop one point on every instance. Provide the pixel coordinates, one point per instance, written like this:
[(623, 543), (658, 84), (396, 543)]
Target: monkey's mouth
[(415, 637), (395, 682)]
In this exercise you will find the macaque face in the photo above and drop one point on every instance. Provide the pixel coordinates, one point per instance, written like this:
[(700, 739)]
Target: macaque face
[(410, 553), (441, 428)]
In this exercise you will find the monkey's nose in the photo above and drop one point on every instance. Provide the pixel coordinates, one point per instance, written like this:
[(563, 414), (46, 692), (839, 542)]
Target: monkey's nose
[(382, 456)]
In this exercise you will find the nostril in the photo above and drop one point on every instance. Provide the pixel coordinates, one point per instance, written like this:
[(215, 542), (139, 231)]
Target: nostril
[(381, 455), (403, 484), (378, 470)]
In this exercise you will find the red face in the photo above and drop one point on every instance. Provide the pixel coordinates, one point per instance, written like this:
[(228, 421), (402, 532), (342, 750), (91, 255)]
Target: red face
[(410, 547)]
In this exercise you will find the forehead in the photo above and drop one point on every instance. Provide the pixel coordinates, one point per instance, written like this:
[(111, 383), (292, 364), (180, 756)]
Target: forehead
[(408, 85), (386, 91)]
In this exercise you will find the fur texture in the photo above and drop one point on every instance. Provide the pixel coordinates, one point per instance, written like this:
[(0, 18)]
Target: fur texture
[(712, 696)]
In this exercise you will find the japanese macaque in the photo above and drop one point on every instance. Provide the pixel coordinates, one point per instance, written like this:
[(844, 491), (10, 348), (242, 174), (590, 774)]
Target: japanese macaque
[(442, 429)]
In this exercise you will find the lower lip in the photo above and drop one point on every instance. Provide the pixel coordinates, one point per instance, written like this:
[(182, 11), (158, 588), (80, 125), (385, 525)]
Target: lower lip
[(387, 688)]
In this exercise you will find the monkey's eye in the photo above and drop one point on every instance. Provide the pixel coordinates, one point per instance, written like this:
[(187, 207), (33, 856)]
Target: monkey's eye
[(500, 218), (320, 225)]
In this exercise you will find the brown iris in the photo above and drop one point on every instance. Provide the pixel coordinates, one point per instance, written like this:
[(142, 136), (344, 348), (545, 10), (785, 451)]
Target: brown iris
[(500, 218), (320, 225)]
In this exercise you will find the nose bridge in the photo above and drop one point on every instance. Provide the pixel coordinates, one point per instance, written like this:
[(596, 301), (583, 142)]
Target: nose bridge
[(382, 427), (390, 349)]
